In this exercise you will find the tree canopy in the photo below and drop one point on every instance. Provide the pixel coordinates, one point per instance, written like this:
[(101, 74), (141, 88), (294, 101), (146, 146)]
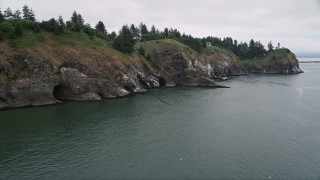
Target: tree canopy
[(28, 14), (100, 27), (124, 41), (13, 24), (76, 23), (1, 17)]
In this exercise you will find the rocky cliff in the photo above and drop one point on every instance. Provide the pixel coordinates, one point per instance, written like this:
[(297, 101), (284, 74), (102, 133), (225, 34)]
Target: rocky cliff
[(279, 61), (49, 73)]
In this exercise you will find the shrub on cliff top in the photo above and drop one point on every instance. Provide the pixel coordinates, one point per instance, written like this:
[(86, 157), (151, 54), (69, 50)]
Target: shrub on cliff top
[(1, 17), (7, 29), (124, 42)]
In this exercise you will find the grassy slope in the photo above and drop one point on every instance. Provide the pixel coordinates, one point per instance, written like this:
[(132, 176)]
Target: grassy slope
[(282, 55), (44, 40), (214, 49), (30, 39), (153, 47), (157, 44)]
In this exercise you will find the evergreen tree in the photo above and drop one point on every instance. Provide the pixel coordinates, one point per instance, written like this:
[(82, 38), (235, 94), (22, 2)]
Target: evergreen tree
[(260, 50), (270, 46), (144, 32), (196, 44), (153, 30), (17, 14), (88, 30), (52, 26), (235, 47), (25, 11), (143, 29), (174, 34), (141, 50), (80, 21), (28, 14), (32, 16), (135, 32), (124, 41), (8, 14), (203, 42), (100, 27), (113, 35), (69, 25), (1, 17), (243, 50), (76, 22), (100, 31), (1, 36), (251, 49), (61, 22), (166, 32)]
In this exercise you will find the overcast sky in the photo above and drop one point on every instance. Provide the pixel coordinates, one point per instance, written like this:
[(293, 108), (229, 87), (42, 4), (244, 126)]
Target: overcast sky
[(293, 23)]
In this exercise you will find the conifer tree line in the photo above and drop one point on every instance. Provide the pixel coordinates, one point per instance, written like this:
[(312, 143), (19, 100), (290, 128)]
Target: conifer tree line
[(13, 24)]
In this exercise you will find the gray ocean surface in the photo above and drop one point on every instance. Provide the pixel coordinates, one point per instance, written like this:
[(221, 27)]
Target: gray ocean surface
[(263, 127)]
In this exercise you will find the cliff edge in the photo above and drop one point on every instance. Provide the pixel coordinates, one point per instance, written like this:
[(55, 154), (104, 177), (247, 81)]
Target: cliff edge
[(74, 67), (278, 61), (52, 71)]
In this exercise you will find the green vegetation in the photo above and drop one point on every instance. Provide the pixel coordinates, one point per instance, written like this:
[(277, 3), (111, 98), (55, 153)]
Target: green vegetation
[(141, 51), (124, 41), (28, 14), (270, 46), (21, 30), (74, 38), (29, 39), (277, 55), (256, 63), (153, 59), (214, 49), (154, 44)]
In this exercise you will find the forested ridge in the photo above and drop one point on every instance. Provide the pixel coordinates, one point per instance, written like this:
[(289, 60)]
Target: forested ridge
[(14, 24)]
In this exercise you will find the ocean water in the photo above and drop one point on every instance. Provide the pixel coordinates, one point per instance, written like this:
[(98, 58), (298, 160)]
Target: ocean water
[(263, 127)]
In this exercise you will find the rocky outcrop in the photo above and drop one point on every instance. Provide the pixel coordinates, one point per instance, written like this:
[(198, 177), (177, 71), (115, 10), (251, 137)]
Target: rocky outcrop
[(49, 74), (184, 66), (26, 81), (32, 77), (41, 76), (280, 61), (289, 67)]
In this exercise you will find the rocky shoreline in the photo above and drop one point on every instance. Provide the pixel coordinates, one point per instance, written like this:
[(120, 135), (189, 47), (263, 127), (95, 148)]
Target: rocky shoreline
[(50, 75)]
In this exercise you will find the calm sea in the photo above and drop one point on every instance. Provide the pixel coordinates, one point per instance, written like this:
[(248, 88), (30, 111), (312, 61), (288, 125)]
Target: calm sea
[(263, 127)]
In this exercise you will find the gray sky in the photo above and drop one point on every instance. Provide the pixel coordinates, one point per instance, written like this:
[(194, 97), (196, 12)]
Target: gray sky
[(293, 23)]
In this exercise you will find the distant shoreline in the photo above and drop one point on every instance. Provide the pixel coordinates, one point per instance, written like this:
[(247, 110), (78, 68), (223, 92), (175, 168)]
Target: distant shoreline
[(309, 61)]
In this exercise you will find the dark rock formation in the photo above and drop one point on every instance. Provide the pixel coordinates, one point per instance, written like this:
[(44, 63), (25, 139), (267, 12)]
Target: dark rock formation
[(50, 74), (280, 61)]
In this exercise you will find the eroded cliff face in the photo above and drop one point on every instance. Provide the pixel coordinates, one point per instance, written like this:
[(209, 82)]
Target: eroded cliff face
[(30, 77), (26, 80), (290, 65), (280, 61), (50, 74), (184, 66)]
